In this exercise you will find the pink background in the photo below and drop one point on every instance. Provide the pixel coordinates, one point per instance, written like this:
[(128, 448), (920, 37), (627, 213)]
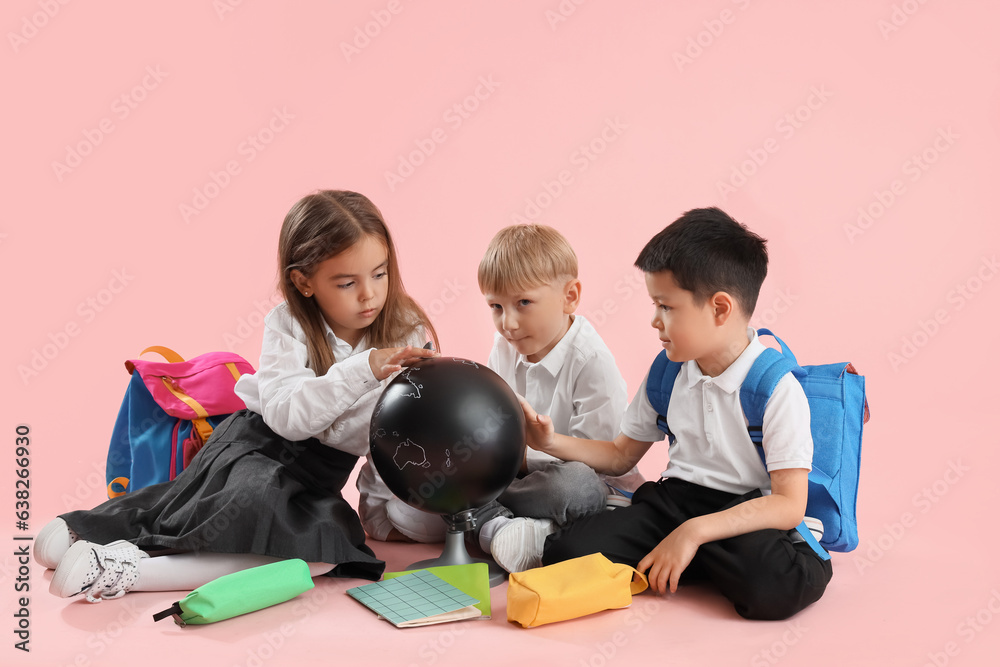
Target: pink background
[(605, 121)]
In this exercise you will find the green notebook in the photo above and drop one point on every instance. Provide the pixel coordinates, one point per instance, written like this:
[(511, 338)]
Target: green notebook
[(417, 598), (473, 579)]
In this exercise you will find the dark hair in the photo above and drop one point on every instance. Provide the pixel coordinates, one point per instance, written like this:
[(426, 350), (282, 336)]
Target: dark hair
[(708, 252)]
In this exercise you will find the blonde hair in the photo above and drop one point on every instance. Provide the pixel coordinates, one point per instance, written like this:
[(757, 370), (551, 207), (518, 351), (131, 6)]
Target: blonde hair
[(324, 224), (522, 257)]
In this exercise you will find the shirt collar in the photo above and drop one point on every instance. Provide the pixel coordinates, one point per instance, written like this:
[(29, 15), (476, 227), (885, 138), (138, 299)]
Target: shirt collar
[(553, 361), (732, 378), (341, 348)]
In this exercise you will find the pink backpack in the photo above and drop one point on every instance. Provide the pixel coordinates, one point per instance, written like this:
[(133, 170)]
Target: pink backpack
[(168, 413)]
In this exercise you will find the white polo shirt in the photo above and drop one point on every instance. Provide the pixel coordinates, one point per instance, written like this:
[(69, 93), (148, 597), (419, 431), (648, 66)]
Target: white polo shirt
[(577, 384), (712, 447)]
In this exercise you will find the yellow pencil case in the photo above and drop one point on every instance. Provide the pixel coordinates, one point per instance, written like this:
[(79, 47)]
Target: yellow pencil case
[(571, 589)]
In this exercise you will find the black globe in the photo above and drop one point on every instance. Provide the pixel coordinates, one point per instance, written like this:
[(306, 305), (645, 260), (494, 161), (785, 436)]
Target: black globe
[(447, 435)]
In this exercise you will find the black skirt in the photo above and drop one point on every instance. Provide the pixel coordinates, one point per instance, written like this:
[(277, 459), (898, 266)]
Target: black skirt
[(247, 491)]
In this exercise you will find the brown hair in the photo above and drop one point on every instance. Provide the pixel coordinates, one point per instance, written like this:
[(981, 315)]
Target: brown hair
[(324, 224), (522, 257)]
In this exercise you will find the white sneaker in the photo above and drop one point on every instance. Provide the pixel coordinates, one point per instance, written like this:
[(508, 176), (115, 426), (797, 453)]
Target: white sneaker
[(103, 572), (518, 545), (53, 542), (815, 527), (489, 529), (617, 498)]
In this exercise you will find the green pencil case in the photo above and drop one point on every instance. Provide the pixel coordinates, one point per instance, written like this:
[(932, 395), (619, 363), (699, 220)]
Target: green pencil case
[(240, 593)]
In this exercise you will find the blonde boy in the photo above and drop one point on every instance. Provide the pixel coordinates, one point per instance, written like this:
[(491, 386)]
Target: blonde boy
[(558, 362)]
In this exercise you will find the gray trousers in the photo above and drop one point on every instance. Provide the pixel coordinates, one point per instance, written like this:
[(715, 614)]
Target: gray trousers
[(563, 491)]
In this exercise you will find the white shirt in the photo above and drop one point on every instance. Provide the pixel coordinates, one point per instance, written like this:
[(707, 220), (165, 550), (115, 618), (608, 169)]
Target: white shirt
[(712, 447), (577, 384), (335, 407)]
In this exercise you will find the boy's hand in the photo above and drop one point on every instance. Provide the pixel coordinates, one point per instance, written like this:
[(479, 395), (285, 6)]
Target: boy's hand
[(539, 431), (670, 558), (386, 361)]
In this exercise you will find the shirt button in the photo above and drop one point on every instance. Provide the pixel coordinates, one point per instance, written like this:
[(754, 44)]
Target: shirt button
[(709, 407), (708, 383)]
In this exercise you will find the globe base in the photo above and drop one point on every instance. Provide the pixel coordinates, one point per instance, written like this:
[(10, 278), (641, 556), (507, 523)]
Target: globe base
[(455, 552)]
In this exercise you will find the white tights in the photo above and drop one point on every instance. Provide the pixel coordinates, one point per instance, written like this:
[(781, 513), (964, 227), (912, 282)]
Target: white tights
[(174, 572), (187, 571)]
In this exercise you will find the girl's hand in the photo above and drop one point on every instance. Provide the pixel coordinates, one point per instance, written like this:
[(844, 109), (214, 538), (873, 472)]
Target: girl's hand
[(386, 361), (539, 432)]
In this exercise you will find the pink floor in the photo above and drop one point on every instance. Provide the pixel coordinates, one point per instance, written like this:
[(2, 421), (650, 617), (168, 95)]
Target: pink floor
[(899, 599)]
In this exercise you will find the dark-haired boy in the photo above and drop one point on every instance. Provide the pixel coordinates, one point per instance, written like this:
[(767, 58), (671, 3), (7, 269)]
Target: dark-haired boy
[(716, 513)]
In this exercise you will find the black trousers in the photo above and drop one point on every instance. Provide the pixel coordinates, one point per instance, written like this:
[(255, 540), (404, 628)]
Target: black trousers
[(765, 574)]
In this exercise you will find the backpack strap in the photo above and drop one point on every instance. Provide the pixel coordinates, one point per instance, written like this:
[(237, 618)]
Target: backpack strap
[(659, 385), (764, 375), (785, 350), (118, 482), (164, 352), (811, 540), (766, 372)]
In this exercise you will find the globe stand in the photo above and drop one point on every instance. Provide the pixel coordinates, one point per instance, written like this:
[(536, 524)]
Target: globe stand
[(455, 552)]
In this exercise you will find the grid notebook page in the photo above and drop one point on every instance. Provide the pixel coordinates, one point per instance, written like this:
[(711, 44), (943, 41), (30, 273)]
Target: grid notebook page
[(412, 597)]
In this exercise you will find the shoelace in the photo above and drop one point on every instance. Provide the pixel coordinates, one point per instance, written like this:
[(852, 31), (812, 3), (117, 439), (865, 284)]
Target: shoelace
[(114, 569)]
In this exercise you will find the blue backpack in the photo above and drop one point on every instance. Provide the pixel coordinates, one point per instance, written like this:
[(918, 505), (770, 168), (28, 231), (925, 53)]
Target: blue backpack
[(169, 411), (838, 411)]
